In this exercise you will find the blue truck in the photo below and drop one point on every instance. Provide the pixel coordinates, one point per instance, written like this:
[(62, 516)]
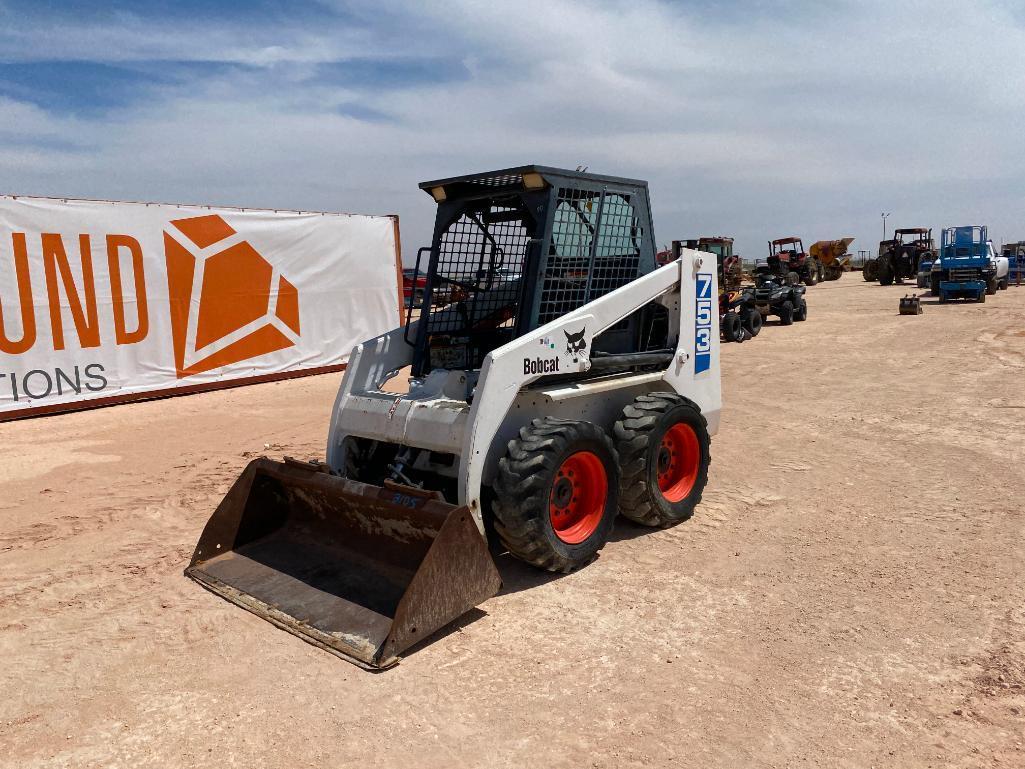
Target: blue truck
[(963, 268), (1015, 254)]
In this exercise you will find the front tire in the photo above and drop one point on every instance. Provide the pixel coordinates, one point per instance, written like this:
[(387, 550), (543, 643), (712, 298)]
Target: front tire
[(664, 451), (557, 493), (801, 313), (786, 313)]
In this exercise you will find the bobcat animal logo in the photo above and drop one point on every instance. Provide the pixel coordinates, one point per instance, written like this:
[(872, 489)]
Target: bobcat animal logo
[(228, 303), (575, 343)]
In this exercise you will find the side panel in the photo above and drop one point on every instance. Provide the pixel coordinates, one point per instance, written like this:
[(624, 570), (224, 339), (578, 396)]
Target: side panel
[(695, 372), (505, 370)]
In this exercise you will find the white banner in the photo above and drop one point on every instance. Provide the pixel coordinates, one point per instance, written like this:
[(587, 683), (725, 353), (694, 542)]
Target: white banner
[(106, 300)]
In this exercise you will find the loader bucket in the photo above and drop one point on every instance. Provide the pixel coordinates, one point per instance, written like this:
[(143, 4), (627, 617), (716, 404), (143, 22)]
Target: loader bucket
[(361, 571)]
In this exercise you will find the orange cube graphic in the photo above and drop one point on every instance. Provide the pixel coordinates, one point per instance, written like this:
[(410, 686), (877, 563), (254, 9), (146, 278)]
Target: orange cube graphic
[(224, 306)]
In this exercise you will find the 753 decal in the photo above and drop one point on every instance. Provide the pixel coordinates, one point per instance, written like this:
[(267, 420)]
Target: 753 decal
[(703, 323)]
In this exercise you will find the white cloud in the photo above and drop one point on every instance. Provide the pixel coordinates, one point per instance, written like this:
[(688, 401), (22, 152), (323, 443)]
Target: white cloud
[(747, 123)]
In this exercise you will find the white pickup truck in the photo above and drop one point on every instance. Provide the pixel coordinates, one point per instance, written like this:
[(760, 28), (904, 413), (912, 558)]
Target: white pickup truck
[(1002, 266)]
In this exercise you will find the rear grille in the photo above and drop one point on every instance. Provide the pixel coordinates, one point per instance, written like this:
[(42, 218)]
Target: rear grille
[(965, 274)]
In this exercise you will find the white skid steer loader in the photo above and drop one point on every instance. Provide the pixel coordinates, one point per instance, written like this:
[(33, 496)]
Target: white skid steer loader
[(558, 378)]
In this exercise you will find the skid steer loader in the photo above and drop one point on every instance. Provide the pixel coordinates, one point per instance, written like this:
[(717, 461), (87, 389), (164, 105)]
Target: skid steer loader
[(558, 378)]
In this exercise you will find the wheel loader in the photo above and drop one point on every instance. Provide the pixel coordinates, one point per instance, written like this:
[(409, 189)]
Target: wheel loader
[(557, 377), (832, 257)]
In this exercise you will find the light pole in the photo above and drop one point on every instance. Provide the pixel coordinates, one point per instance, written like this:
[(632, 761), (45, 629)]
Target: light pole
[(884, 224)]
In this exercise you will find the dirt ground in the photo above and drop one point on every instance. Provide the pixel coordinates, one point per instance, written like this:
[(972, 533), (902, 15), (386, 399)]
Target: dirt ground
[(849, 594)]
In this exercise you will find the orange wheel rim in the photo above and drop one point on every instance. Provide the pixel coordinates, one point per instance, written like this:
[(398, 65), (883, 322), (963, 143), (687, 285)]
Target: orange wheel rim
[(678, 460), (576, 503)]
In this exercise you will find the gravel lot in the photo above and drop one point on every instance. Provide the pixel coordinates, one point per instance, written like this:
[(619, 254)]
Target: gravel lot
[(849, 594)]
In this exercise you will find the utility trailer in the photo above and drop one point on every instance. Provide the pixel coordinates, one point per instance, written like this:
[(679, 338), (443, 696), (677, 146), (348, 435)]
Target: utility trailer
[(559, 378)]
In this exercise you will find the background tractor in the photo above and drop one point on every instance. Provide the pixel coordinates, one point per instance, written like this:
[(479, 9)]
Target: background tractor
[(900, 256), (792, 258)]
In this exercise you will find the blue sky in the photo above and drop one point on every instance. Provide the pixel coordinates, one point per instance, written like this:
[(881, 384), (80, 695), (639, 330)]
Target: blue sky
[(754, 119)]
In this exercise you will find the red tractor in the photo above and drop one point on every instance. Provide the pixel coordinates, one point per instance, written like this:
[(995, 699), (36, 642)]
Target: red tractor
[(792, 259)]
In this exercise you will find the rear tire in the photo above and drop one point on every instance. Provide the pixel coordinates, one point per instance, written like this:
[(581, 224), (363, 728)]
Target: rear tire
[(753, 323), (801, 313), (732, 328), (870, 270), (664, 453), (786, 313), (557, 493)]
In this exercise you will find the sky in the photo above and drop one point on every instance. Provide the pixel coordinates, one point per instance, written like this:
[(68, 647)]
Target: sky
[(751, 119)]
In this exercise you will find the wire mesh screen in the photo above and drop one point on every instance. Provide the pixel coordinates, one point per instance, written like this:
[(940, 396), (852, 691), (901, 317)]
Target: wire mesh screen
[(476, 287), (580, 231)]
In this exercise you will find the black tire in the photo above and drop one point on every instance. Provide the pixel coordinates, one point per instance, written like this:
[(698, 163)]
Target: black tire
[(991, 286), (786, 313), (1002, 285), (934, 284), (793, 278), (981, 296), (640, 434), (870, 271), (753, 322), (801, 312), (886, 276), (530, 478), (732, 329), (812, 278)]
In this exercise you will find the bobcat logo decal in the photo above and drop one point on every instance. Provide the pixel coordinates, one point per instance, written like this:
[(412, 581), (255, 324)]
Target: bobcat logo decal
[(575, 344)]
